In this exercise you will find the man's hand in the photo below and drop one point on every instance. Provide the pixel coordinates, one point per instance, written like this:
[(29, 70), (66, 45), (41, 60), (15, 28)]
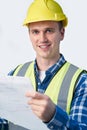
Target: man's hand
[(41, 105)]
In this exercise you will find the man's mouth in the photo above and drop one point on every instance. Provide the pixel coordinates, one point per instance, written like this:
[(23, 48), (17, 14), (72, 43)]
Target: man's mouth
[(44, 46)]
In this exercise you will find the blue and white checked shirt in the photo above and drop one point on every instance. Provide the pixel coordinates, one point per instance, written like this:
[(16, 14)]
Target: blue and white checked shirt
[(77, 120)]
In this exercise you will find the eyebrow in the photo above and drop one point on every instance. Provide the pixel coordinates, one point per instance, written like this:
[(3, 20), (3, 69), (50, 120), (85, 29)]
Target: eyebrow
[(44, 28)]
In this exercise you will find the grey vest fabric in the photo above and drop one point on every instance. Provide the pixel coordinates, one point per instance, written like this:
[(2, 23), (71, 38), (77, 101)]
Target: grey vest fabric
[(23, 70), (62, 95)]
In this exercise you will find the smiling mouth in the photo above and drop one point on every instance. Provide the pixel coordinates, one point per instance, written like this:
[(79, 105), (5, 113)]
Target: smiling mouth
[(44, 46)]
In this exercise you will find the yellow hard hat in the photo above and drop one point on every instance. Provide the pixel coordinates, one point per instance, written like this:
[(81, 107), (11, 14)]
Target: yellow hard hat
[(44, 10)]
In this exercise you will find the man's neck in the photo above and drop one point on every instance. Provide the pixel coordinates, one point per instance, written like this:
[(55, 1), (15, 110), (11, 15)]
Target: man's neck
[(44, 64)]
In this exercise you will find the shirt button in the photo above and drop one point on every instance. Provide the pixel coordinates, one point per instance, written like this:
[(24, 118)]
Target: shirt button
[(51, 127)]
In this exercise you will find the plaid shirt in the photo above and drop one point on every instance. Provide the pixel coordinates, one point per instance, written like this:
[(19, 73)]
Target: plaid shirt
[(3, 124), (78, 114), (62, 121)]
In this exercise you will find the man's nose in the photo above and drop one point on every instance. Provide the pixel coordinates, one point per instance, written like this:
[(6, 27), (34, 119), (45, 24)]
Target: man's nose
[(43, 37)]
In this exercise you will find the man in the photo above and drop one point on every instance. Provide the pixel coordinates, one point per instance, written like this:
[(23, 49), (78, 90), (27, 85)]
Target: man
[(60, 99)]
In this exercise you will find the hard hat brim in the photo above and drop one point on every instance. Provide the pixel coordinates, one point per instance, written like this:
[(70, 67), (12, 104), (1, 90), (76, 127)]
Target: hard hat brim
[(27, 22)]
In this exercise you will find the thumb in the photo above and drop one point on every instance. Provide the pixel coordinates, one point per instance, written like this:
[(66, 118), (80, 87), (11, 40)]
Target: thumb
[(34, 94)]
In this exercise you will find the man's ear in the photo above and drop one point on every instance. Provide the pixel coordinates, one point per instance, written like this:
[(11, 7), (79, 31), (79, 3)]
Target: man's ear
[(62, 31)]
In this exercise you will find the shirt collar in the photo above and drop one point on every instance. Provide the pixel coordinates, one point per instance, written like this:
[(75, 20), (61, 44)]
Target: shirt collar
[(53, 68)]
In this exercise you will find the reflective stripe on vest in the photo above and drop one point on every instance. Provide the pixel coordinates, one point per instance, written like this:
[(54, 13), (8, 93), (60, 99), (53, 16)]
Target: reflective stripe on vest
[(23, 69)]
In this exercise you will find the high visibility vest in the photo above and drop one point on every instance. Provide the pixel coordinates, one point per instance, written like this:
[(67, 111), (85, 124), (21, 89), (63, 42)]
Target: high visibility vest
[(61, 87)]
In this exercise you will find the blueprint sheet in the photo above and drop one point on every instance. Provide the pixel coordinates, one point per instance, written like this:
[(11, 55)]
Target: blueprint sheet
[(13, 102)]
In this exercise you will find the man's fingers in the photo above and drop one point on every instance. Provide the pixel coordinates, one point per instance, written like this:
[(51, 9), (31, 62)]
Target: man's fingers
[(30, 94), (34, 94)]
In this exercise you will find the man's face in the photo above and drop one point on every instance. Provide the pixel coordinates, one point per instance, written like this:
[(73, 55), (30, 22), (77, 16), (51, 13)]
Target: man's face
[(45, 37)]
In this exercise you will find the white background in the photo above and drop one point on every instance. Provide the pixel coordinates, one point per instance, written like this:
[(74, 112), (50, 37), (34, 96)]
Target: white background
[(15, 46)]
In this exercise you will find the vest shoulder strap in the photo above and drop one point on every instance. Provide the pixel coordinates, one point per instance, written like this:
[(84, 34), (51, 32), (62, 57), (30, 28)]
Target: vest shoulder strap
[(21, 69)]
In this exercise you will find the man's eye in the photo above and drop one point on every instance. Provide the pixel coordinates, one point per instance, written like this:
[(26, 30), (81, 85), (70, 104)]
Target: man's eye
[(35, 32), (49, 30)]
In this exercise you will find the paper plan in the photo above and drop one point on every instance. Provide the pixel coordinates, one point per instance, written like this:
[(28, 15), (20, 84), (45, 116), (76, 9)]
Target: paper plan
[(13, 102)]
